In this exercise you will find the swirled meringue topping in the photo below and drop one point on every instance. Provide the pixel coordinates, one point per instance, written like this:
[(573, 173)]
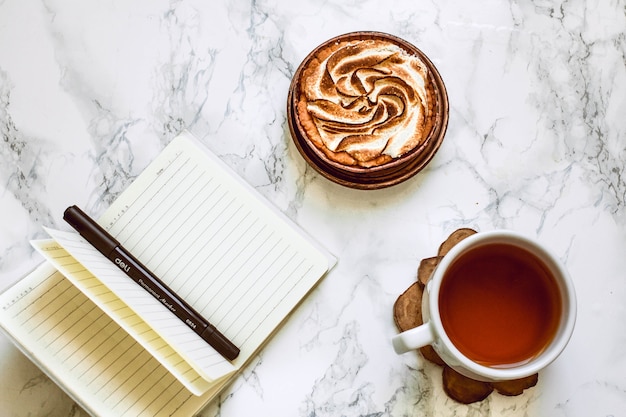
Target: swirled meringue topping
[(365, 102)]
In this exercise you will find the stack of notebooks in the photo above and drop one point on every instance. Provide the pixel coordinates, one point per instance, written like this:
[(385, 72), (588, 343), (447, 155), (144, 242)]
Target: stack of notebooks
[(208, 236)]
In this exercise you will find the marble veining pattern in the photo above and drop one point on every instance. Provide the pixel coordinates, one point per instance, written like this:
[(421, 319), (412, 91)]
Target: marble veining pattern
[(90, 91)]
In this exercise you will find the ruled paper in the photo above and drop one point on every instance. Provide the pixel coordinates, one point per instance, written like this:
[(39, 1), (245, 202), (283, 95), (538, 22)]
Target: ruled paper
[(115, 306), (87, 353), (218, 244)]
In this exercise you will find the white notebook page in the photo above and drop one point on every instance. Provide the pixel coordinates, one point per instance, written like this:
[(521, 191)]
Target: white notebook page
[(216, 243)]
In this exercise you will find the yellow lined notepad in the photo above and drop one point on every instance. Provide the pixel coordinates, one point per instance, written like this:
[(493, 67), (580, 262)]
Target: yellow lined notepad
[(208, 236), (124, 316), (85, 352)]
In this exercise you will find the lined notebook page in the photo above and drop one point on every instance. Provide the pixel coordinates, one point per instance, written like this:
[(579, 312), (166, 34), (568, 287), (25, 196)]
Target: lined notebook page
[(115, 307), (219, 245), (87, 353)]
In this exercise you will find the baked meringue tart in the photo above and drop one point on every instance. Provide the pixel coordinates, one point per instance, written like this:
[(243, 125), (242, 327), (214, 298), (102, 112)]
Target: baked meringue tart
[(367, 110)]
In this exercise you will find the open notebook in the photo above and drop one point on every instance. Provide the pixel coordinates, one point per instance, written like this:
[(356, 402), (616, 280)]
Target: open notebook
[(212, 239)]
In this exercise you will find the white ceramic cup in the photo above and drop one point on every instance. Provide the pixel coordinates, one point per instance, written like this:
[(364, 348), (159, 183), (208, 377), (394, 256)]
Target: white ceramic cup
[(433, 333)]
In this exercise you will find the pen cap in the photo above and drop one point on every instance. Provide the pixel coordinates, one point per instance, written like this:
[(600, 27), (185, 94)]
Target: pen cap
[(90, 230), (216, 339)]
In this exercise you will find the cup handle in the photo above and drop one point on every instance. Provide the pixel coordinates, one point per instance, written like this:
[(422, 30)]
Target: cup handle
[(414, 338)]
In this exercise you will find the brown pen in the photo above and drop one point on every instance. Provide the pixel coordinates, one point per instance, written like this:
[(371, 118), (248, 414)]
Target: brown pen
[(111, 248)]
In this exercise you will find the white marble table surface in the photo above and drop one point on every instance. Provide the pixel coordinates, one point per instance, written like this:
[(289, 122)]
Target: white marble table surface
[(91, 91)]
